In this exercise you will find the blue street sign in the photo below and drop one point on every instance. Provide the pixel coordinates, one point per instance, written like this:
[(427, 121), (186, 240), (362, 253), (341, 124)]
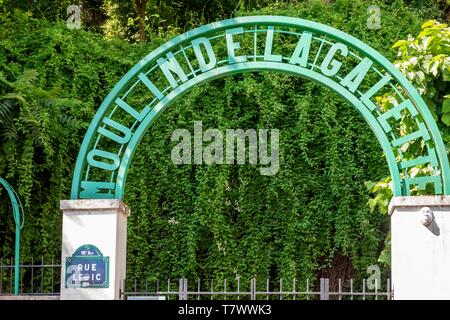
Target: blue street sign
[(87, 268)]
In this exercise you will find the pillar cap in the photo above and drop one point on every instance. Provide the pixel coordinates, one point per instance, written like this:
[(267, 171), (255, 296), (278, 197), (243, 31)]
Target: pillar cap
[(94, 205), (418, 201)]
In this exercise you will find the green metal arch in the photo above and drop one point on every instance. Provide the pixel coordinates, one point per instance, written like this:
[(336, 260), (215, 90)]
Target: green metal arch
[(221, 71), (19, 220), (250, 67)]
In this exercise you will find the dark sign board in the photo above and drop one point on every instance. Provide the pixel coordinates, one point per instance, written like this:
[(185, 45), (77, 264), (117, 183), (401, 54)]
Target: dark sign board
[(87, 268)]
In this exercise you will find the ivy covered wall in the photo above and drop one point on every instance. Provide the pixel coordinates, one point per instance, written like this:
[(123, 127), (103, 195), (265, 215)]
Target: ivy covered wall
[(310, 219)]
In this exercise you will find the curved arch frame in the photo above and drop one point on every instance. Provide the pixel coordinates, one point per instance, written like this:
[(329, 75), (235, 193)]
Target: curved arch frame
[(19, 220), (441, 179)]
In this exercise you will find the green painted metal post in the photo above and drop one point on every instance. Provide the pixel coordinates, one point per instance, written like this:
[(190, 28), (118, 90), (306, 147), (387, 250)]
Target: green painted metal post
[(19, 221), (17, 260)]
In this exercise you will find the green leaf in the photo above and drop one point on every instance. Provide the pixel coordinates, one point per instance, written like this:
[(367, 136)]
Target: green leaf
[(446, 119), (399, 43), (446, 106), (428, 24), (385, 255)]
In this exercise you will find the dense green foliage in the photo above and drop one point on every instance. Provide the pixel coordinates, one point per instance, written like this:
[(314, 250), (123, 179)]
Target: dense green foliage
[(425, 61), (310, 219), (128, 18), (52, 81)]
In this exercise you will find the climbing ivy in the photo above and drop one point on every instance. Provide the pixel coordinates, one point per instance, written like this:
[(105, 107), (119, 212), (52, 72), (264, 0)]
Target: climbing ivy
[(220, 221), (425, 61)]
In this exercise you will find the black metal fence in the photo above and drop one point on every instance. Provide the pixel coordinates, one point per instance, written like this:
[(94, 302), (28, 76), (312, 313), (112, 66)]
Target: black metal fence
[(41, 277), (182, 289), (37, 277)]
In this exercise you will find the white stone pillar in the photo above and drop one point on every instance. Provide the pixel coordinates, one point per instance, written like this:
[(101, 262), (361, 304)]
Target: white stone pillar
[(101, 223), (420, 227)]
